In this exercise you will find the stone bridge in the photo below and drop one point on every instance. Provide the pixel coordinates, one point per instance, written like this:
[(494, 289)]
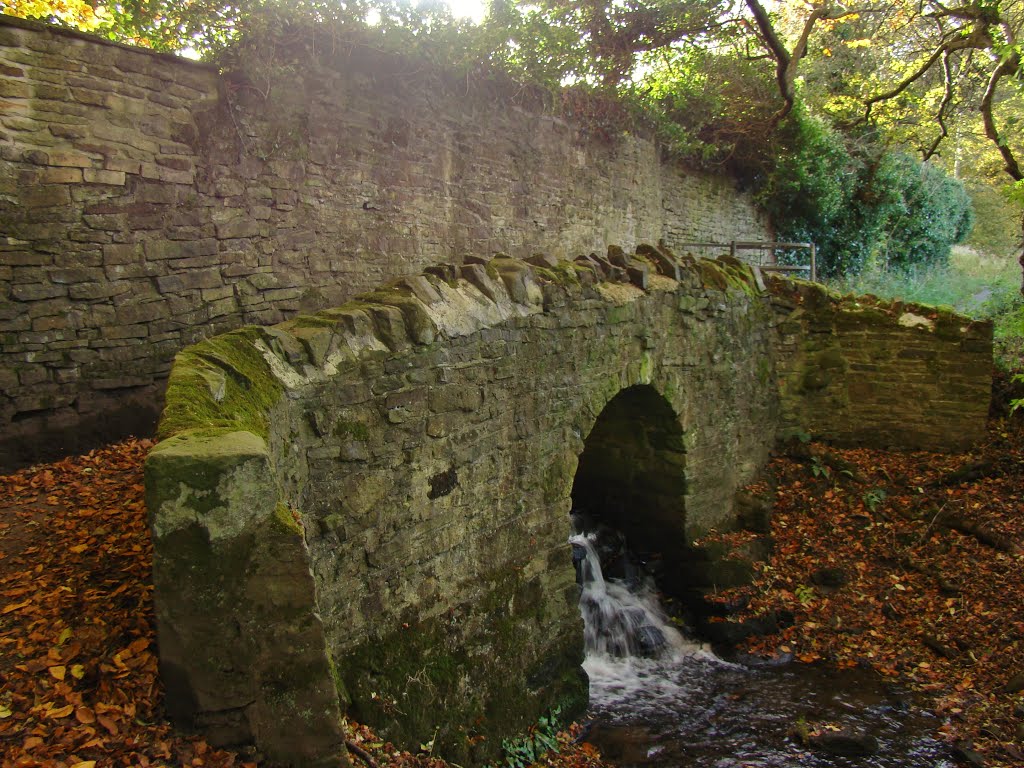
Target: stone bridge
[(366, 510)]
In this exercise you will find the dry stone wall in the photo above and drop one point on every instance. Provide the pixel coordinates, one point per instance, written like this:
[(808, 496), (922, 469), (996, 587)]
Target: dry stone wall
[(147, 202), (859, 371)]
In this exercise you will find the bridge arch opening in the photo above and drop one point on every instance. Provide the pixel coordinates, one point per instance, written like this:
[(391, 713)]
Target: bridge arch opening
[(632, 478)]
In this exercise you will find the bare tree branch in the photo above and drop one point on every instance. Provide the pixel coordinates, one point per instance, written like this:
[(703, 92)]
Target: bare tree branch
[(1007, 66), (940, 116)]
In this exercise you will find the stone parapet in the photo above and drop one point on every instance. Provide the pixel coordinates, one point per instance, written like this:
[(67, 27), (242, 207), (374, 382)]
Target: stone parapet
[(855, 370)]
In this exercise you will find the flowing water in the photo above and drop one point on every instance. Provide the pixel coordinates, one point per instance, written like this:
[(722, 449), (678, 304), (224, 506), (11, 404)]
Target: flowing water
[(658, 699)]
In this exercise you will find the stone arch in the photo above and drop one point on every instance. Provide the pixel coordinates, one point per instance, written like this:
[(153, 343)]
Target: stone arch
[(372, 500), (631, 476), (413, 454)]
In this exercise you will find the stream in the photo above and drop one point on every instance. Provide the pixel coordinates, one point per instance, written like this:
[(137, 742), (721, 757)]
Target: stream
[(659, 699)]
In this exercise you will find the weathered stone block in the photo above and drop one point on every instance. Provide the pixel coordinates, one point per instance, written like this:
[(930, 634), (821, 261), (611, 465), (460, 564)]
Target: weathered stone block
[(240, 227), (98, 176), (178, 249), (69, 158), (58, 176), (228, 547), (47, 196), (130, 314), (12, 89), (191, 280), (36, 291)]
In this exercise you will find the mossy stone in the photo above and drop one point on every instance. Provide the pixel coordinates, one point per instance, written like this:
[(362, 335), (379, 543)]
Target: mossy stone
[(469, 692), (242, 403)]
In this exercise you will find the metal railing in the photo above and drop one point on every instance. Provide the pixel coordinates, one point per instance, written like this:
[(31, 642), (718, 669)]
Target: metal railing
[(766, 246)]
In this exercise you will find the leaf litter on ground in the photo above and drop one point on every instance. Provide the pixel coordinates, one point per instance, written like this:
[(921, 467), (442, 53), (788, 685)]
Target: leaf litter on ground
[(79, 684), (928, 546), (910, 564)]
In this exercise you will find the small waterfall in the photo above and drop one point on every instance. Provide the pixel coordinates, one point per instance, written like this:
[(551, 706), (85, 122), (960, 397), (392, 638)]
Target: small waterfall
[(659, 701), (622, 617)]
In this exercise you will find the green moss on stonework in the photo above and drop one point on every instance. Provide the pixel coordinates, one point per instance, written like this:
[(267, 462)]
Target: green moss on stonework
[(831, 359), (355, 430), (562, 273), (858, 317), (711, 276), (464, 683), (740, 277), (310, 321), (420, 327), (385, 295), (950, 326), (223, 381), (286, 519), (621, 313), (339, 683), (582, 270)]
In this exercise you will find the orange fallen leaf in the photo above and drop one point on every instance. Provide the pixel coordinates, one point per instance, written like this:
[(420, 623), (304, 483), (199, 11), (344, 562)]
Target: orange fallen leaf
[(16, 607), (85, 715), (107, 723), (58, 671)]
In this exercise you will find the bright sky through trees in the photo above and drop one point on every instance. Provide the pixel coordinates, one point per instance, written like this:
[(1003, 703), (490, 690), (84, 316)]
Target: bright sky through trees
[(472, 9)]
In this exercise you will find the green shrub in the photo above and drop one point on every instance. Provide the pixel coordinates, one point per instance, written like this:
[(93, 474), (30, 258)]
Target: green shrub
[(932, 213), (862, 205)]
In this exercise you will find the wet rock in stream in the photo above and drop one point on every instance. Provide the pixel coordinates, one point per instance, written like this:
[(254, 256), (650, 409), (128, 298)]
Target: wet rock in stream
[(844, 743)]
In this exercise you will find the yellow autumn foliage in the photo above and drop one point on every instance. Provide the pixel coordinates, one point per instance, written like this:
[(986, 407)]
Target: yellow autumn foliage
[(75, 13)]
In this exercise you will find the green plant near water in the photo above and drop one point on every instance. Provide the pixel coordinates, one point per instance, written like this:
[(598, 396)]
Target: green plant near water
[(1017, 402), (526, 750), (805, 594), (820, 468)]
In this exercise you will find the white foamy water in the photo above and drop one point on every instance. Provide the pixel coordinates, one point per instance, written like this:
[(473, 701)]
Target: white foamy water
[(661, 701), (632, 648), (623, 621)]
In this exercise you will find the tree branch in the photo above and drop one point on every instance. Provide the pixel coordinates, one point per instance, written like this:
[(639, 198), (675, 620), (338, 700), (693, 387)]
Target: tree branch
[(947, 97), (786, 63), (943, 50), (780, 54), (1007, 66)]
